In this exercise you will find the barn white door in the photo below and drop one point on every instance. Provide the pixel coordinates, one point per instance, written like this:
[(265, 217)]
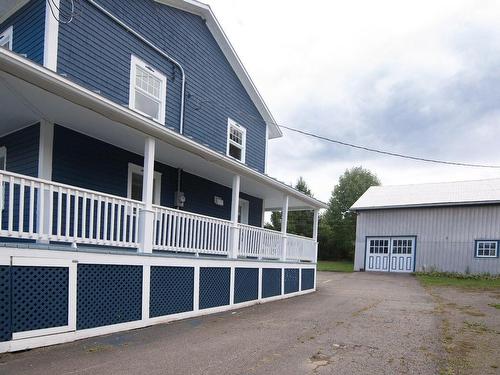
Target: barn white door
[(390, 254), (402, 254), (377, 254)]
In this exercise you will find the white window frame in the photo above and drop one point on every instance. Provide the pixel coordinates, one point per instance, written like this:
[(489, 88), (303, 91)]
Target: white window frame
[(137, 169), (7, 35), (233, 124), (134, 63), (484, 242)]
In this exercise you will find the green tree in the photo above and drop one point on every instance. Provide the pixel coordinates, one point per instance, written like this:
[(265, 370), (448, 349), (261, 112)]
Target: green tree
[(299, 222), (338, 224)]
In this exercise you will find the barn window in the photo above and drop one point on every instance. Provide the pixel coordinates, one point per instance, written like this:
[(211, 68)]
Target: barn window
[(236, 140), (148, 89), (379, 246), (486, 249), (6, 38)]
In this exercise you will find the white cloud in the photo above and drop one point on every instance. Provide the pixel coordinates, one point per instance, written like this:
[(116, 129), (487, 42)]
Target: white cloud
[(417, 77)]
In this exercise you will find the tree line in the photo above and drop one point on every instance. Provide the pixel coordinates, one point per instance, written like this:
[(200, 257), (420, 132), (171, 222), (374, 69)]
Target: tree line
[(337, 225)]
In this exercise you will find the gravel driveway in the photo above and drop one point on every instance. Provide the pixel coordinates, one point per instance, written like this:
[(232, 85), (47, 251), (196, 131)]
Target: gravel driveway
[(358, 323)]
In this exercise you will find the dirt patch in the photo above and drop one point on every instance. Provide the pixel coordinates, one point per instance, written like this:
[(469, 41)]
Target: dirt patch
[(470, 330)]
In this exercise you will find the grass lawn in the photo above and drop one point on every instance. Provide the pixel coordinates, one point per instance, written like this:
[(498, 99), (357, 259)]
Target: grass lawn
[(341, 266), (461, 282)]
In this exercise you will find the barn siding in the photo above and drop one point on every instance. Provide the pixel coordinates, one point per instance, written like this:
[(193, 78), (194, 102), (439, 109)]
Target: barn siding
[(95, 52), (22, 150), (445, 235), (28, 30)]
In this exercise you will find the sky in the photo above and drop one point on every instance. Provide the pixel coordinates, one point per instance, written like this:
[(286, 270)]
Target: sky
[(415, 77)]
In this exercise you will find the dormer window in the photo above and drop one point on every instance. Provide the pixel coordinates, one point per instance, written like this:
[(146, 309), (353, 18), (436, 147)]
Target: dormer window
[(148, 89), (6, 38), (236, 140)]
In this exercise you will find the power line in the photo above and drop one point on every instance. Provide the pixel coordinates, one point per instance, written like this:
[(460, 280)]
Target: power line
[(389, 153), (202, 101)]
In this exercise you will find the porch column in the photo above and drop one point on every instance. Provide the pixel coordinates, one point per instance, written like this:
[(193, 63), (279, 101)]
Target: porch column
[(45, 150), (146, 215), (284, 224), (315, 232), (234, 237)]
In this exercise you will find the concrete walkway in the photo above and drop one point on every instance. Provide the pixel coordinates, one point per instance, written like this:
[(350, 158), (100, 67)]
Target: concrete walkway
[(357, 323)]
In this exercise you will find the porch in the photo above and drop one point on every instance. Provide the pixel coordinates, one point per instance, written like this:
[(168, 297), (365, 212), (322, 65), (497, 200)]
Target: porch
[(38, 210), (63, 198)]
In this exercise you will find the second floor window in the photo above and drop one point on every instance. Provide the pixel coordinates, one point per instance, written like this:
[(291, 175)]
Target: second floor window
[(148, 89), (236, 140), (6, 38)]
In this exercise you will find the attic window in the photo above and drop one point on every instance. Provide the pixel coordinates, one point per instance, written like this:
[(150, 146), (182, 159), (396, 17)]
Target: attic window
[(236, 140), (148, 89), (6, 38), (486, 249)]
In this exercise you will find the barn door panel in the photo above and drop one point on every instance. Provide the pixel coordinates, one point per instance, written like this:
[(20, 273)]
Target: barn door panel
[(377, 254)]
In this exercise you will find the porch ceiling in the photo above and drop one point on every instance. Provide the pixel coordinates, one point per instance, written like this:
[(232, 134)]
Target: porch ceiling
[(27, 98)]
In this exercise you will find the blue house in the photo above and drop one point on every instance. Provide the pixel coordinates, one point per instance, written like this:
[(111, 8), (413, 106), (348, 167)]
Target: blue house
[(133, 185)]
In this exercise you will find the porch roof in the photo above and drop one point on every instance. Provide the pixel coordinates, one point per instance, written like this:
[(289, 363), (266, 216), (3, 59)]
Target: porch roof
[(30, 92)]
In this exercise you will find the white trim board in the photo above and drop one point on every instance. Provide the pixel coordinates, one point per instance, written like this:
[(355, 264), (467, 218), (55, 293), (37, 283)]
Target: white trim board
[(51, 38)]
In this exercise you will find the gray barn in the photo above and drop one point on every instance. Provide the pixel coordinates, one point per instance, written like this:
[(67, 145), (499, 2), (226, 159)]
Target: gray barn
[(452, 227)]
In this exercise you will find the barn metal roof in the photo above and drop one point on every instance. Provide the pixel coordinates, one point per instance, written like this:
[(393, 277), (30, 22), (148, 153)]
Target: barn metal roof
[(457, 193)]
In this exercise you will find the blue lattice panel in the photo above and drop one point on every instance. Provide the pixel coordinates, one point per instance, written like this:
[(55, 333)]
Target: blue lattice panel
[(291, 280), (307, 279), (271, 282), (171, 290), (5, 304), (39, 297), (108, 294), (214, 286), (246, 284)]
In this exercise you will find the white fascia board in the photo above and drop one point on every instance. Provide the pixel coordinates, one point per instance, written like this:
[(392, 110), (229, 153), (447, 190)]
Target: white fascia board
[(11, 8), (426, 205), (34, 74), (204, 11)]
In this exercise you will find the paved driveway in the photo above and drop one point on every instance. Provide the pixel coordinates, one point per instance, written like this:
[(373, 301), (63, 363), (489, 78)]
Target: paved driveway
[(358, 323)]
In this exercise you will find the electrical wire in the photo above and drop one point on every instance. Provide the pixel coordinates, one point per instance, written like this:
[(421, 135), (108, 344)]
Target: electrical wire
[(202, 101), (64, 19)]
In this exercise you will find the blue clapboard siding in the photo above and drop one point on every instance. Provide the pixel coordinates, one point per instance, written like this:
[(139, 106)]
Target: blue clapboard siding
[(86, 162), (307, 279), (95, 52), (271, 282), (171, 290), (214, 286), (5, 304), (22, 150), (291, 280), (246, 284), (39, 297), (108, 294), (28, 30)]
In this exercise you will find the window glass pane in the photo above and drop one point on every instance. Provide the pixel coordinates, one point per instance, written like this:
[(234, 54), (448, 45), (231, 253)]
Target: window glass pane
[(236, 135), (234, 151), (136, 187), (147, 105), (148, 82), (2, 162)]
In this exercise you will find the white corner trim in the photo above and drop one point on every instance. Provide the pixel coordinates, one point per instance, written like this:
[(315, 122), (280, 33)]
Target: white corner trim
[(51, 40)]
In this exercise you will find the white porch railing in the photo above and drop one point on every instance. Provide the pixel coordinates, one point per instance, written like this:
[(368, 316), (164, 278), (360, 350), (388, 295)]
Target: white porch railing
[(182, 231), (300, 248), (36, 209), (259, 242)]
